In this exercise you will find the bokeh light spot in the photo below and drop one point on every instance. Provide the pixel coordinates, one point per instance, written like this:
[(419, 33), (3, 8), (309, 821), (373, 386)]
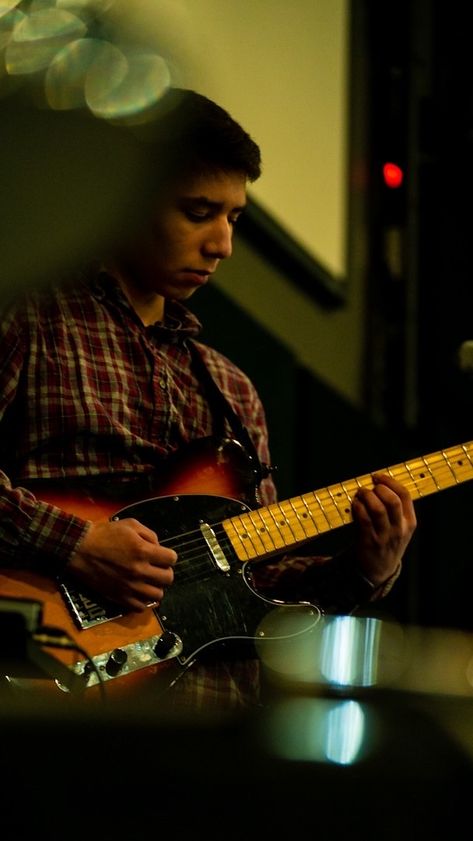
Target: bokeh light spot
[(92, 7), (67, 74), (8, 23), (6, 7), (38, 37), (144, 83)]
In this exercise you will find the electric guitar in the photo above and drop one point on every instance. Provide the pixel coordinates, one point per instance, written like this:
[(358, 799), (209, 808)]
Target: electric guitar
[(218, 537)]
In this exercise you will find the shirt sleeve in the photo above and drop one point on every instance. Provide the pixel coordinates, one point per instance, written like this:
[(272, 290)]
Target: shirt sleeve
[(335, 584), (33, 534)]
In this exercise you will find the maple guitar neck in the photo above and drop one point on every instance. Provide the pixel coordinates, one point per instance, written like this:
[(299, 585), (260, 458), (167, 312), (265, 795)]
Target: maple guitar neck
[(283, 525)]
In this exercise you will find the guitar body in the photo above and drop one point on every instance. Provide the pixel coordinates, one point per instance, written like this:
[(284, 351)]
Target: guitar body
[(205, 510), (99, 642), (213, 599), (212, 603)]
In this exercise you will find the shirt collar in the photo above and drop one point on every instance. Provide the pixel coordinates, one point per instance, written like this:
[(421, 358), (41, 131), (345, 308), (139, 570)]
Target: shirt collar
[(179, 322)]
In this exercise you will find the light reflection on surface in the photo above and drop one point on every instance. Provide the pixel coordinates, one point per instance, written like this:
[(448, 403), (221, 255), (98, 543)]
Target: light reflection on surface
[(320, 730), (342, 653), (349, 650)]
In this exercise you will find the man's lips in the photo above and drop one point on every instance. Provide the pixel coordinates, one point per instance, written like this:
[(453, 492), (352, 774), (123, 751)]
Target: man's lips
[(198, 275)]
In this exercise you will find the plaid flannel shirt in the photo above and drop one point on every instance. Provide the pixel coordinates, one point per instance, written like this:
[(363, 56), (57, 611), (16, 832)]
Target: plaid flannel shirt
[(87, 390)]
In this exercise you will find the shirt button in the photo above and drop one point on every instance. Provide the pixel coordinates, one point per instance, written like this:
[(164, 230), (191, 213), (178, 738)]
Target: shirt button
[(162, 384)]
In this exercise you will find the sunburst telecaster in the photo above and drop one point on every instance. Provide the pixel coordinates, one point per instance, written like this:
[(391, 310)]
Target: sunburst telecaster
[(199, 512)]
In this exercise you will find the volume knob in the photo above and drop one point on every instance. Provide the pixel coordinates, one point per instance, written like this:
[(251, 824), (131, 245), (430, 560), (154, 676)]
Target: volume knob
[(165, 643), (116, 661)]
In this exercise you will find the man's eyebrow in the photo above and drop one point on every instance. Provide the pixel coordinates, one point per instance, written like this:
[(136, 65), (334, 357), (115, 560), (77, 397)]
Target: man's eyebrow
[(212, 205)]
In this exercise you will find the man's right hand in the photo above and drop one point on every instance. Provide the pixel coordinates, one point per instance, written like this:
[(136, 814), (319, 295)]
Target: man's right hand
[(124, 561)]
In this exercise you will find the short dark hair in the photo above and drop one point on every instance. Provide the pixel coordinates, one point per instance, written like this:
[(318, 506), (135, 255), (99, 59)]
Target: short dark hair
[(192, 134)]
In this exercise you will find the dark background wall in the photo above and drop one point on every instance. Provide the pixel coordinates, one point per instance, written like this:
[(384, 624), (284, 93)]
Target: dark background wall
[(412, 103), (419, 311)]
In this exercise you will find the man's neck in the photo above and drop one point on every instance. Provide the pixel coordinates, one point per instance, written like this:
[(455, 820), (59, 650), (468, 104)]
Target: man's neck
[(148, 305)]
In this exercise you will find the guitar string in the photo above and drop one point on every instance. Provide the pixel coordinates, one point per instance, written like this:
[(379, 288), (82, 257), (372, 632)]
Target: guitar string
[(436, 469), (191, 549), (328, 505)]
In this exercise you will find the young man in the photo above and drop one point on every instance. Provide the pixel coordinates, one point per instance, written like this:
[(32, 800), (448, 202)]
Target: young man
[(102, 379)]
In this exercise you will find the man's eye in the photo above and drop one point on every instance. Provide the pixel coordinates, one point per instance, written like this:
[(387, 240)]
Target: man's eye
[(197, 215)]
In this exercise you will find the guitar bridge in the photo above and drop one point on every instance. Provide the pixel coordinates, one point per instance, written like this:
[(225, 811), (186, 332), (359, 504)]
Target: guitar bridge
[(215, 549), (85, 610)]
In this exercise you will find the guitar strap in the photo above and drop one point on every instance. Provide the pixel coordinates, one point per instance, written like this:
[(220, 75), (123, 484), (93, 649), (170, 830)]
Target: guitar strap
[(223, 410)]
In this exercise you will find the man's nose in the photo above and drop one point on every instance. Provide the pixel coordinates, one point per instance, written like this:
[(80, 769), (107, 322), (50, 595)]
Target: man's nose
[(219, 241)]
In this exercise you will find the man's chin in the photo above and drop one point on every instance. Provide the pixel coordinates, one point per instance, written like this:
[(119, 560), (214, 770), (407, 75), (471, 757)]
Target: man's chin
[(183, 292)]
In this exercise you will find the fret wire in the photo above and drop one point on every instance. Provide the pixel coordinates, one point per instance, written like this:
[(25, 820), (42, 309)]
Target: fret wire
[(287, 520), (242, 533), (256, 534), (278, 526), (347, 494), (448, 464), (431, 473), (303, 518), (310, 513), (414, 482), (334, 503), (467, 453), (341, 502), (333, 508), (286, 523), (457, 461), (346, 511), (460, 463), (322, 509), (291, 503), (412, 477), (442, 468), (265, 530)]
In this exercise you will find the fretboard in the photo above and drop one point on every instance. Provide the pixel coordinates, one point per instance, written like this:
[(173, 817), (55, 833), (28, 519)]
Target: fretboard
[(283, 525)]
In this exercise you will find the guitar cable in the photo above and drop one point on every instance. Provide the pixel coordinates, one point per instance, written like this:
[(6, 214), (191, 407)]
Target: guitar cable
[(51, 637)]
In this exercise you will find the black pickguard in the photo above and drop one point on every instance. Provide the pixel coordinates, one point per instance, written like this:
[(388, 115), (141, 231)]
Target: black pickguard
[(206, 606)]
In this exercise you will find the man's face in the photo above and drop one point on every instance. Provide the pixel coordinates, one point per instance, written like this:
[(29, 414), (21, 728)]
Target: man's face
[(189, 235)]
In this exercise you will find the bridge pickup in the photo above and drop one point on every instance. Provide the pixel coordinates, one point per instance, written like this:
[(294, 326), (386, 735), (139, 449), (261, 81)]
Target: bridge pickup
[(215, 548)]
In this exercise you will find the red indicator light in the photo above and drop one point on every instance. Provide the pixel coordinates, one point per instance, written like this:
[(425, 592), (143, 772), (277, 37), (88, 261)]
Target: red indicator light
[(393, 175)]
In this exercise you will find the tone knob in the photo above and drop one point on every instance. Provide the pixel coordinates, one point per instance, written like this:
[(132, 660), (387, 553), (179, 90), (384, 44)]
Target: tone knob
[(166, 641), (116, 661)]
